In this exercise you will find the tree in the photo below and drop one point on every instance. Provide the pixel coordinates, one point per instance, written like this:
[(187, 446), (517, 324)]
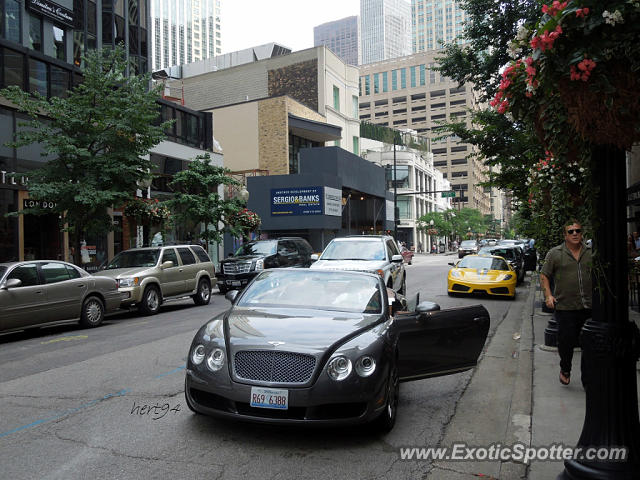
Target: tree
[(97, 137), (197, 201), (458, 223)]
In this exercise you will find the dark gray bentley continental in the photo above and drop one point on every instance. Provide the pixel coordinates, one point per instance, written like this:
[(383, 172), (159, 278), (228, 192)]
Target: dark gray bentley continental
[(302, 346)]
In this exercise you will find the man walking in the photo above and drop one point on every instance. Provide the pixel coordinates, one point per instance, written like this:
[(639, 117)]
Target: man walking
[(569, 264)]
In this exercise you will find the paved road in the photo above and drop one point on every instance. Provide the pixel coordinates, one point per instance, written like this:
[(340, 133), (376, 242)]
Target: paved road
[(72, 406)]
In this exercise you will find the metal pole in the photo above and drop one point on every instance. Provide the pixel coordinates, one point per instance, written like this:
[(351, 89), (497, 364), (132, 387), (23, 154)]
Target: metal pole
[(395, 193)]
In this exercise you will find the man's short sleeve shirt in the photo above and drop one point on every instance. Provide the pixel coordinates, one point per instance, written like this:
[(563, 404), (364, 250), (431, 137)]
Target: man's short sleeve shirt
[(572, 278)]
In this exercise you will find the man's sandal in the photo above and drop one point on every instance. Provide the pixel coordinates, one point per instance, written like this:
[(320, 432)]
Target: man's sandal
[(565, 378)]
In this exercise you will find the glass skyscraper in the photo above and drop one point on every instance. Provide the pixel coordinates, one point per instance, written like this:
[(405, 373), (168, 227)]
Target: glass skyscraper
[(342, 37), (435, 22), (184, 31), (385, 29)]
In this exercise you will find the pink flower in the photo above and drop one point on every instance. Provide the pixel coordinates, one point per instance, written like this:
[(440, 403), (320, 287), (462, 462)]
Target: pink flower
[(582, 12)]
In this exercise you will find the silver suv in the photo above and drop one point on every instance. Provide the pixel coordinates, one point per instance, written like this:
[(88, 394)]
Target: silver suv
[(147, 277), (366, 253)]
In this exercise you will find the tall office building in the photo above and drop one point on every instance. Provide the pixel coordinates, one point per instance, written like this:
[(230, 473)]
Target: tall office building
[(434, 22), (385, 29), (342, 37), (184, 31), (407, 92)]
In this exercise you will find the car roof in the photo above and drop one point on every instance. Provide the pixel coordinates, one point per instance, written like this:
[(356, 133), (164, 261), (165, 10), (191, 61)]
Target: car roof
[(361, 237)]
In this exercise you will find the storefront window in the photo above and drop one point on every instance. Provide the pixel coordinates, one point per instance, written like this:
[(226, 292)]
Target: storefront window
[(120, 31), (8, 225), (78, 47), (91, 19), (35, 33), (37, 76), (13, 68), (59, 43)]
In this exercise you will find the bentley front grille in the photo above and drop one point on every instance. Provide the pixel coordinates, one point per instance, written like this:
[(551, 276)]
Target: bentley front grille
[(276, 367)]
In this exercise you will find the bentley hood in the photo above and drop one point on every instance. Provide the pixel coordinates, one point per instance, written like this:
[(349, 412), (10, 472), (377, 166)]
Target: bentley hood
[(293, 329)]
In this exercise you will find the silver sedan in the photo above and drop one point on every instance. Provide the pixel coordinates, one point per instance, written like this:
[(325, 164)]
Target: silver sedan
[(44, 292)]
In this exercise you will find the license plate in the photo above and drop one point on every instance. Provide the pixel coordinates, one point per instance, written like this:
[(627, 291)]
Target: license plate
[(234, 283), (270, 398)]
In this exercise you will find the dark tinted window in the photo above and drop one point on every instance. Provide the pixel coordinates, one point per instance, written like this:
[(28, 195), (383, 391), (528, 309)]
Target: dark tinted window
[(186, 256), (169, 255), (201, 254), (73, 272), (28, 274), (303, 247), (286, 247), (54, 272)]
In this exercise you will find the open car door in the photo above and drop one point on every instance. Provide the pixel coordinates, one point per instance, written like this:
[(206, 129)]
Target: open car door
[(438, 342)]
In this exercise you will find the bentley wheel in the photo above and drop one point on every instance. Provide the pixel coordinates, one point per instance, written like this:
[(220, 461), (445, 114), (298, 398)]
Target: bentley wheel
[(387, 419), (150, 303), (203, 295), (92, 312)]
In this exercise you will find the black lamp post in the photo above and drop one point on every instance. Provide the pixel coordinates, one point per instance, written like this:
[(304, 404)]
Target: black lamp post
[(610, 342)]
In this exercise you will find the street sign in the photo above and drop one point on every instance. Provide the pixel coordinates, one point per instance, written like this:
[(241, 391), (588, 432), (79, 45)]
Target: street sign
[(449, 194)]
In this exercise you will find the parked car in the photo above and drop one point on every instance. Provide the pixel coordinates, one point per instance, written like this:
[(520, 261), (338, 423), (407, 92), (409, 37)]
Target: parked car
[(482, 274), (252, 257), (512, 254), (530, 255), (366, 253), (44, 292), (467, 247), (148, 277), (320, 347), (407, 255)]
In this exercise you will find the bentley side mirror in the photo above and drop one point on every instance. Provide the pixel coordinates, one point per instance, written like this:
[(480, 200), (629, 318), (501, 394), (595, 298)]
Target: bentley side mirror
[(426, 306)]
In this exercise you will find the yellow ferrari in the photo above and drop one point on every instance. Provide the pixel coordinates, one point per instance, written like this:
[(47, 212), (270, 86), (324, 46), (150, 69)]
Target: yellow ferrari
[(482, 274)]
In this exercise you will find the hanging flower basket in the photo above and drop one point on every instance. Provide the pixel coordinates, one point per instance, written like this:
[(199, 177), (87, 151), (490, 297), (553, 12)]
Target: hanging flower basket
[(245, 220), (609, 118), (147, 211), (432, 231)]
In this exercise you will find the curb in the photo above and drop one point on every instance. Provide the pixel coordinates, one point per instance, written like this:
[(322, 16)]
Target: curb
[(501, 389)]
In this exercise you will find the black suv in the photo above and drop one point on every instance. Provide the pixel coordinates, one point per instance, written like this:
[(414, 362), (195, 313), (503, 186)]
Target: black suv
[(253, 257)]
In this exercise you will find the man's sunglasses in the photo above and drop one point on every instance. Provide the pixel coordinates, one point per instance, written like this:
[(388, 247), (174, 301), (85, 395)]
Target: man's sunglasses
[(574, 230)]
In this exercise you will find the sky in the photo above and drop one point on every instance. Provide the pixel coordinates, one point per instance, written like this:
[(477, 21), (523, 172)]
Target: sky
[(249, 23)]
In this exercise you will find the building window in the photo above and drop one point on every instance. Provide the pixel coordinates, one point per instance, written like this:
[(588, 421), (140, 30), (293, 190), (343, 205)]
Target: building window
[(403, 78), (354, 103), (356, 145), (12, 68), (376, 83), (59, 43), (413, 76), (336, 98), (35, 33), (37, 76), (385, 82), (423, 75), (10, 27), (78, 47), (394, 79), (367, 89)]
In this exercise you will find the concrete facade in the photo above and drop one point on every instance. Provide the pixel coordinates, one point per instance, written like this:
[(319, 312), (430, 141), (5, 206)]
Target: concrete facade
[(315, 77), (263, 141), (407, 93)]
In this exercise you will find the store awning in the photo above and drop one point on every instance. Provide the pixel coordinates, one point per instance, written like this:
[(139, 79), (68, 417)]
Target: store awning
[(312, 130)]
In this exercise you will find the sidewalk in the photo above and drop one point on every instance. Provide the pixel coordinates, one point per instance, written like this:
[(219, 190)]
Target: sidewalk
[(514, 397)]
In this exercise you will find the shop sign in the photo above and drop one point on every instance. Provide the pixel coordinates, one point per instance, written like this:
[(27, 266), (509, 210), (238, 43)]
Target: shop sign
[(12, 178), (31, 203), (52, 10), (297, 201), (332, 202)]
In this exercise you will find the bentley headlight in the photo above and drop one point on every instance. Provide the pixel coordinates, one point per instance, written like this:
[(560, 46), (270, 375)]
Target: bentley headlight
[(365, 366), (197, 355), (339, 368), (215, 360), (128, 282), (259, 264)]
